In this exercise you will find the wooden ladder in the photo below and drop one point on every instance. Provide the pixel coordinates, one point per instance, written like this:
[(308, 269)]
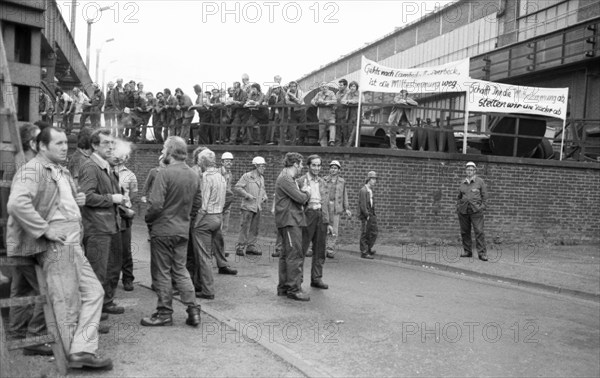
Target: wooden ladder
[(11, 154)]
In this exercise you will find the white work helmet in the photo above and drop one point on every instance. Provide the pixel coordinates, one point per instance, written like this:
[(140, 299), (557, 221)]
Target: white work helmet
[(470, 164), (258, 160), (227, 155), (336, 163)]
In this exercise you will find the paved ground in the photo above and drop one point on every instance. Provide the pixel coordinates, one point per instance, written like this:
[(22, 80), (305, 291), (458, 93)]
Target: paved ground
[(400, 315)]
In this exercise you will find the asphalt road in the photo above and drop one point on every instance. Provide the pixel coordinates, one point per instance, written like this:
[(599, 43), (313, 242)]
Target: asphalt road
[(376, 319), (382, 319)]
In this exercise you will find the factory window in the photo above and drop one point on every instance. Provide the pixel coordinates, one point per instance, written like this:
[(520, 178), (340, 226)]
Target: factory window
[(22, 44), (22, 103), (537, 18)]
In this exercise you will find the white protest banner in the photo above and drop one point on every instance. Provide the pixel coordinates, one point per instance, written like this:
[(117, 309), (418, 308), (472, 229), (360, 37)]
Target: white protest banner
[(449, 77), (486, 96)]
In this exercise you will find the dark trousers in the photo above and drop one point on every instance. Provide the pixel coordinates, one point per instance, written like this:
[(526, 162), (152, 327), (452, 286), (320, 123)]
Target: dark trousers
[(351, 125), (26, 321), (208, 239), (167, 260), (297, 128), (315, 232), (84, 117), (160, 133), (368, 233), (465, 221), (105, 256), (240, 117), (127, 268), (341, 135), (67, 122), (204, 133), (291, 261)]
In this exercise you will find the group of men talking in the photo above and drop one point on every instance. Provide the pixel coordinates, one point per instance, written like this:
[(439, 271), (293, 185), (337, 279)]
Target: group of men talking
[(71, 222)]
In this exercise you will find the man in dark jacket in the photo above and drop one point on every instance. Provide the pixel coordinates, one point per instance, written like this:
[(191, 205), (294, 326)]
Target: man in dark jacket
[(471, 203), (174, 192), (101, 237), (289, 219), (366, 214)]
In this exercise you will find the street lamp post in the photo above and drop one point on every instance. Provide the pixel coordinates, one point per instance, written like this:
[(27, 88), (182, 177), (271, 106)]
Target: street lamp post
[(89, 38), (98, 56)]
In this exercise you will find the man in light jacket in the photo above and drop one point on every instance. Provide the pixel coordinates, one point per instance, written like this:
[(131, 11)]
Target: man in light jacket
[(251, 187)]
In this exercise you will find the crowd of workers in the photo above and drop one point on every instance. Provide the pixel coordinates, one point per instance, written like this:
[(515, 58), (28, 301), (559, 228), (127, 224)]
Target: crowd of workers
[(77, 225), (242, 114)]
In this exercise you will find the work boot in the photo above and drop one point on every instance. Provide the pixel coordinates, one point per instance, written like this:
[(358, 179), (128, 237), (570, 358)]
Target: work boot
[(193, 316), (38, 350), (89, 360), (319, 284), (227, 270), (239, 250), (127, 285), (157, 320), (112, 308), (299, 296)]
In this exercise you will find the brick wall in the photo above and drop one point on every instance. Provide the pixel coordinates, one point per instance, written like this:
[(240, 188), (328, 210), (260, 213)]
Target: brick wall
[(530, 200)]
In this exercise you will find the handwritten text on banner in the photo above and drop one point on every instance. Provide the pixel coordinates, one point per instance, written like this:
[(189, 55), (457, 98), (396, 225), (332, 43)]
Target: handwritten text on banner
[(486, 96), (449, 77)]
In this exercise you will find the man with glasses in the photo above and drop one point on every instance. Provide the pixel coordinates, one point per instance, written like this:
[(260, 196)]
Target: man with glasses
[(101, 223)]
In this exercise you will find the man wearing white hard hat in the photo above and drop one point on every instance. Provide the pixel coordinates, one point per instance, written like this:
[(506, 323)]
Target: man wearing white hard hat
[(251, 187), (338, 201), (470, 205)]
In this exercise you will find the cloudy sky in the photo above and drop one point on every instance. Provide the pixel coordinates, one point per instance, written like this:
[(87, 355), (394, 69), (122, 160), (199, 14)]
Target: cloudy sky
[(180, 43)]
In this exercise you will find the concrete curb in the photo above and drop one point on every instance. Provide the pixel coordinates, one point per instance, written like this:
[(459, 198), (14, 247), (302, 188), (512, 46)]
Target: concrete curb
[(486, 276), (286, 354)]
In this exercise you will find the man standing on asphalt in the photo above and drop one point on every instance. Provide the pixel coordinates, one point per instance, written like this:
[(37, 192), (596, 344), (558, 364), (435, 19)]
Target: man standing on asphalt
[(251, 187), (338, 203), (129, 187), (101, 223), (227, 163), (470, 205), (317, 214), (169, 216), (289, 219), (45, 222), (366, 206), (206, 233)]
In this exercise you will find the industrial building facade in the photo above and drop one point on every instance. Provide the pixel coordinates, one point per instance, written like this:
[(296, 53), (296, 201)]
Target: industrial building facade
[(539, 43)]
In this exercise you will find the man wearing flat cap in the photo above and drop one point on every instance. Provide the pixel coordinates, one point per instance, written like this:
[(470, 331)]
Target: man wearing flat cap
[(338, 202), (366, 214), (471, 203)]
